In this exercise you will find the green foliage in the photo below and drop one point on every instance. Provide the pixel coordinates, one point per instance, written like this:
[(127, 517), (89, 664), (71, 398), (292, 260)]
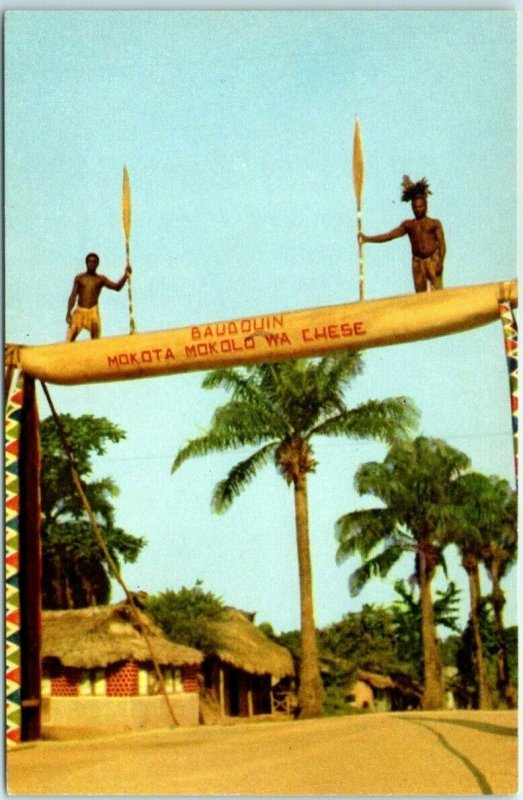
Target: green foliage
[(449, 648), (288, 403), (335, 703), (364, 639), (479, 516), (384, 639), (267, 630), (485, 510), (501, 549), (74, 572), (184, 615), (414, 485), (464, 658), (289, 639), (406, 614)]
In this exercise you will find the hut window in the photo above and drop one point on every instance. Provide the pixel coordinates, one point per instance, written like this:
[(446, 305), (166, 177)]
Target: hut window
[(84, 685), (98, 682), (92, 682), (143, 681), (168, 677), (148, 683), (173, 679)]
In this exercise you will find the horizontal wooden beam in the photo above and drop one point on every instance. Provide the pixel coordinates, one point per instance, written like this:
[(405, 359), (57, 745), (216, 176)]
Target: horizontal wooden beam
[(269, 337)]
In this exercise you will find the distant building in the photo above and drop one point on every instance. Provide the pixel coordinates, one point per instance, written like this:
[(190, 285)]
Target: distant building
[(373, 692)]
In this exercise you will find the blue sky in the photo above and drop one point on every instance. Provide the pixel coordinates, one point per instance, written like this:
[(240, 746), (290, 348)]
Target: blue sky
[(236, 129)]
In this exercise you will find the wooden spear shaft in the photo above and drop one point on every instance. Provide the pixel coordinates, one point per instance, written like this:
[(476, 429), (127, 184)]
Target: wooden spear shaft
[(357, 179), (126, 217)]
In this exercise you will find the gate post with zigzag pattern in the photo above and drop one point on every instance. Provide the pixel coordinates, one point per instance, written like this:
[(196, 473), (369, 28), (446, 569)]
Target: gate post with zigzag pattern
[(510, 333), (13, 424), (22, 560)]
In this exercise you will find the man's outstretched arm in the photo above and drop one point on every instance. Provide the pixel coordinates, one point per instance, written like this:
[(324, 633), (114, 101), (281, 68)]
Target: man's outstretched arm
[(117, 285), (395, 233)]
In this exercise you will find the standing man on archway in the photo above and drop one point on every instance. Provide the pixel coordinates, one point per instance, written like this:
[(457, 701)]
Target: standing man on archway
[(426, 236), (86, 290)]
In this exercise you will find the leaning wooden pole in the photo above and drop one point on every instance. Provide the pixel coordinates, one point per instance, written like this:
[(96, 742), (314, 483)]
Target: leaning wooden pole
[(510, 335), (111, 563), (126, 219), (357, 179), (269, 337)]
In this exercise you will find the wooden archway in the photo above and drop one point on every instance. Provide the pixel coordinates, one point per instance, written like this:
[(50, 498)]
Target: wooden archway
[(280, 336)]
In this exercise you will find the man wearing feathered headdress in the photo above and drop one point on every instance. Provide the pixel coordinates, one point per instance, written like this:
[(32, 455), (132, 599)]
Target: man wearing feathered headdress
[(426, 236)]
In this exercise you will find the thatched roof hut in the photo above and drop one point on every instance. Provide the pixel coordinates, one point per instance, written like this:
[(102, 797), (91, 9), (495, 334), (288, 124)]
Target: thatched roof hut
[(397, 681), (242, 645), (395, 692), (375, 680), (88, 638)]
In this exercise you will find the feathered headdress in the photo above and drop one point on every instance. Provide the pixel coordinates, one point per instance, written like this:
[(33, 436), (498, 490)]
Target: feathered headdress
[(412, 190)]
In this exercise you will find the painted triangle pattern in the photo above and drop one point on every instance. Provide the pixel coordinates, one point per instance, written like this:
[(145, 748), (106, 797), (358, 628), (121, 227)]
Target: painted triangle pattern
[(13, 417), (510, 334)]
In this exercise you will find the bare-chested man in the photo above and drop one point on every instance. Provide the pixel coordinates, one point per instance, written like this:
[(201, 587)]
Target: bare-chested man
[(426, 236), (86, 290)]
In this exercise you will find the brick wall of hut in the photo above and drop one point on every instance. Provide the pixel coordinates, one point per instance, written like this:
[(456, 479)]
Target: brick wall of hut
[(118, 680)]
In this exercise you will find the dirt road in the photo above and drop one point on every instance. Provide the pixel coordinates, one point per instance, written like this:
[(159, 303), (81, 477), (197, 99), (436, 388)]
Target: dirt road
[(420, 753)]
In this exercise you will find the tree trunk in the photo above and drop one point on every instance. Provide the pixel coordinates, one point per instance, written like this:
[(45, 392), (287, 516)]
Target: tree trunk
[(310, 693), (498, 603), (51, 587), (484, 699), (69, 599), (60, 600), (433, 690)]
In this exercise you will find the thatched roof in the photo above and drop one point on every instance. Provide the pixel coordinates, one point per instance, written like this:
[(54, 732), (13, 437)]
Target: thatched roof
[(244, 646), (399, 681), (100, 635), (375, 680)]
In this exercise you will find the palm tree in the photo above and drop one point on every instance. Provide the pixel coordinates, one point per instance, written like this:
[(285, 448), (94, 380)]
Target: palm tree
[(414, 484), (476, 514), (499, 556), (279, 408)]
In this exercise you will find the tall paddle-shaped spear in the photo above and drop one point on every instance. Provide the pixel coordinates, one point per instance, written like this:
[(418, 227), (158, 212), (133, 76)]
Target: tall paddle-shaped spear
[(357, 179), (126, 217)]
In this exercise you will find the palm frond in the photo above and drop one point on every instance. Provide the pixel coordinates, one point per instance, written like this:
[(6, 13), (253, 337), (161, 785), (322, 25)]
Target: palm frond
[(341, 368), (234, 425), (361, 531), (250, 422), (212, 442), (377, 567), (239, 382), (239, 476), (386, 420), (380, 480), (248, 386)]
